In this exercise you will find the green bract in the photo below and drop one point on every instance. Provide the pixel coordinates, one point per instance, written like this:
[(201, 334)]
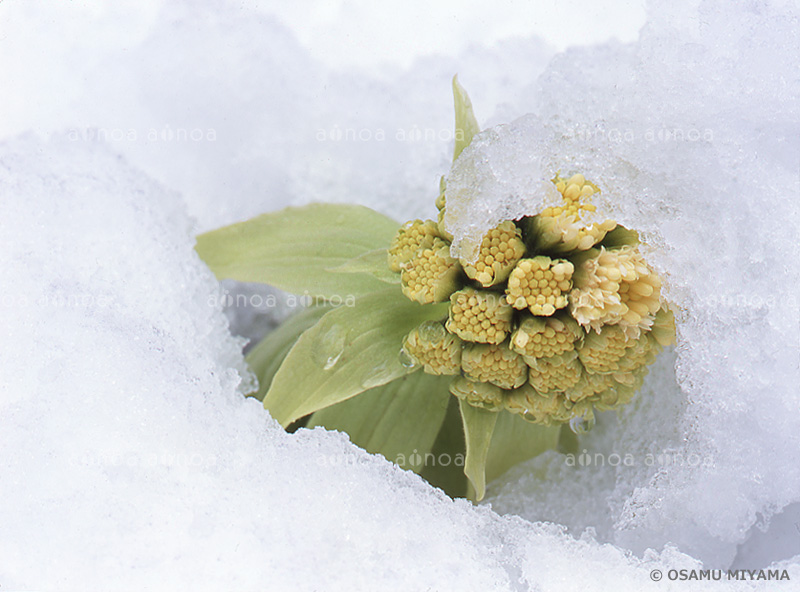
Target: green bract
[(350, 350), (454, 369), (311, 249)]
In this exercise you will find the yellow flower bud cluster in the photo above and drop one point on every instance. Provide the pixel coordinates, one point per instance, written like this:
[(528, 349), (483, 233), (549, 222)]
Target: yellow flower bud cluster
[(538, 337), (556, 373), (480, 394), (496, 364), (562, 228), (500, 250), (431, 274), (573, 191), (479, 316), (540, 284), (411, 237), (438, 351), (615, 286), (602, 352), (558, 316)]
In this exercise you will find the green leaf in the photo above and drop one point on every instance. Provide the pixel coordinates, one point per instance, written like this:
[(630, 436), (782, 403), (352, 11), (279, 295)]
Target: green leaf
[(350, 350), (294, 248), (514, 441), (466, 124), (447, 472), (374, 263), (567, 440), (441, 199), (399, 420), (620, 237), (266, 357), (478, 427)]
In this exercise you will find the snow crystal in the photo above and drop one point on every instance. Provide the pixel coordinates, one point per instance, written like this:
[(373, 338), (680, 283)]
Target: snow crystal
[(497, 177)]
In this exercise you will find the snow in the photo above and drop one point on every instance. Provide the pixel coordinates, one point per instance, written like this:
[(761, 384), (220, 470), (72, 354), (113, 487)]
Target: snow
[(130, 459), (703, 161)]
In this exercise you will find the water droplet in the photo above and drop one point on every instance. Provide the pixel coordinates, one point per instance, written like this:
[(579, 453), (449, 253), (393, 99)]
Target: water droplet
[(406, 360), (328, 350), (582, 424), (380, 374), (431, 331)]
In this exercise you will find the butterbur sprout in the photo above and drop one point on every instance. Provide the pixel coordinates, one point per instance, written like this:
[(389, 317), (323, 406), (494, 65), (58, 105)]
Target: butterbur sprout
[(479, 316), (432, 347), (566, 226), (411, 237), (484, 395), (540, 284), (556, 373), (538, 337), (557, 317), (430, 274), (496, 364), (498, 254)]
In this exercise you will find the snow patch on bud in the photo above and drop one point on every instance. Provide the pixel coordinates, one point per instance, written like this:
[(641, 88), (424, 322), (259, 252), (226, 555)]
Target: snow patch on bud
[(485, 187)]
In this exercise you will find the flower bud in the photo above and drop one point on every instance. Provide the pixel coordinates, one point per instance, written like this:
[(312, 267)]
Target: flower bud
[(601, 352), (540, 284), (479, 316), (499, 251), (640, 352), (562, 228), (615, 286), (431, 275), (620, 394), (516, 401), (494, 363), (575, 190), (432, 347), (589, 387), (556, 373), (538, 337), (410, 238), (478, 394), (565, 233), (541, 408)]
